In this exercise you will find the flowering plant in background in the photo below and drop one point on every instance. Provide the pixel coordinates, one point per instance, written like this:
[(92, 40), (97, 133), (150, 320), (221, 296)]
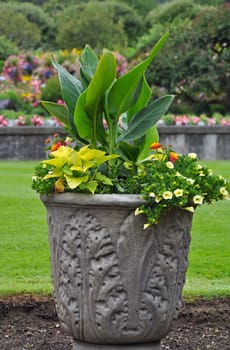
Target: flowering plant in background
[(202, 120), (55, 141), (3, 121)]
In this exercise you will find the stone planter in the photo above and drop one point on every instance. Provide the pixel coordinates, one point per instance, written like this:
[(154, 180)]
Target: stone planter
[(116, 285)]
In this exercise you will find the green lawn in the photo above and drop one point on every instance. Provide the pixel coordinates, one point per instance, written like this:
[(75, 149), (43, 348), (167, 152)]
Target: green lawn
[(24, 252)]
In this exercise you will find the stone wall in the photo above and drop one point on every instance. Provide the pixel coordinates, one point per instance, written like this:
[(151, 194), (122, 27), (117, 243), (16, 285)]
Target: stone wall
[(210, 143)]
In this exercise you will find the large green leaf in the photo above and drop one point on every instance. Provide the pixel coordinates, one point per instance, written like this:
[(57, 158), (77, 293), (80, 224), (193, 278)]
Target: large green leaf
[(89, 106), (142, 101), (103, 78), (150, 137), (128, 152), (146, 118), (122, 94), (82, 121), (88, 63), (57, 110), (71, 89)]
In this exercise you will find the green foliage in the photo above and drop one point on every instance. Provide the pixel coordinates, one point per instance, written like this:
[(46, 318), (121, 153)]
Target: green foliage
[(173, 11), (195, 63), (20, 31), (73, 171), (24, 247), (132, 22), (7, 48), (45, 23), (168, 180), (96, 102), (91, 23), (51, 91), (15, 102)]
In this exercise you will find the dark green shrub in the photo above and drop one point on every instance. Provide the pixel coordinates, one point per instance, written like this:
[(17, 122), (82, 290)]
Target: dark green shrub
[(7, 48), (90, 23), (51, 91), (35, 14), (17, 29), (14, 100), (195, 62)]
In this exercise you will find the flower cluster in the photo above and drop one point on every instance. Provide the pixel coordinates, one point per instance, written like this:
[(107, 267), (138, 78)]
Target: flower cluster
[(202, 120), (167, 179), (3, 121), (56, 141)]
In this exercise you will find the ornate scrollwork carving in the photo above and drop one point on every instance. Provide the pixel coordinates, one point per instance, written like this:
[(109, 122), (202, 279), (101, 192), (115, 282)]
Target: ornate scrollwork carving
[(122, 288)]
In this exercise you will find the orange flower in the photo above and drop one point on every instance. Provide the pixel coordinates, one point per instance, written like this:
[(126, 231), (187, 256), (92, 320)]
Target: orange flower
[(55, 146), (173, 156), (155, 145)]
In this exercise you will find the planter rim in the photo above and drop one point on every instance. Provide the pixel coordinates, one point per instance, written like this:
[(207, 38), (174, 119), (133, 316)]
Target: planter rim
[(85, 199)]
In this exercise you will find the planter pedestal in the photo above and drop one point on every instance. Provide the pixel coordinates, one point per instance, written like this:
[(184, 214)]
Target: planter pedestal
[(115, 285), (86, 346)]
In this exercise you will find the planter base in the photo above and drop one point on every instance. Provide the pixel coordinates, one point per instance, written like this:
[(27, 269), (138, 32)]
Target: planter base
[(87, 346)]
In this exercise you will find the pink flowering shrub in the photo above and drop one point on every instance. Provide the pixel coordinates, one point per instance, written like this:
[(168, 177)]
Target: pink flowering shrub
[(3, 121)]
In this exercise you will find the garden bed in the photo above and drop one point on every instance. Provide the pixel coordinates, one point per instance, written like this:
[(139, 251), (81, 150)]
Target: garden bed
[(31, 323), (209, 142)]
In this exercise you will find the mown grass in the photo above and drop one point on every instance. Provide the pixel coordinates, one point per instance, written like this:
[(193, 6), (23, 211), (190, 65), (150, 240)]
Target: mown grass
[(24, 251)]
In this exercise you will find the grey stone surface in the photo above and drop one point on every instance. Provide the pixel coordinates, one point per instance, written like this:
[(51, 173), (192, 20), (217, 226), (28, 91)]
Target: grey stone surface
[(86, 346), (210, 143), (115, 283)]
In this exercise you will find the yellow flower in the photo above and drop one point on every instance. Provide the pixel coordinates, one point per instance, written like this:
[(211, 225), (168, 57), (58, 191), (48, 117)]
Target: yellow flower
[(158, 199), (152, 194), (170, 165), (167, 195), (190, 181), (198, 199), (138, 211), (223, 191), (146, 226), (178, 192), (190, 209), (192, 155)]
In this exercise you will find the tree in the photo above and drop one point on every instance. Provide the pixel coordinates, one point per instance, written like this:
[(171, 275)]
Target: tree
[(195, 62), (45, 23), (91, 23), (17, 29)]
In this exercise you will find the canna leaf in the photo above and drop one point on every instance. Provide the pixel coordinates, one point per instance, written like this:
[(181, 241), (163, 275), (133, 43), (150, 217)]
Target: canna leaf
[(146, 118), (71, 89), (122, 95), (57, 110), (101, 81), (150, 137), (142, 101), (82, 122), (89, 105), (88, 63)]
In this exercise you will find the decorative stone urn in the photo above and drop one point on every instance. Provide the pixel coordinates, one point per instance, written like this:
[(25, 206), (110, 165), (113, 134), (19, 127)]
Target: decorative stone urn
[(116, 286)]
